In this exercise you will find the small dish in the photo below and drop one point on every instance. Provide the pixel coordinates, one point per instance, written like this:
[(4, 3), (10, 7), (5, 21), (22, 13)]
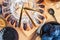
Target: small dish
[(8, 33)]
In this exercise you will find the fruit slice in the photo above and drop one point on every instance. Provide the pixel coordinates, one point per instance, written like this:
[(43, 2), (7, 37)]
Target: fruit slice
[(2, 22)]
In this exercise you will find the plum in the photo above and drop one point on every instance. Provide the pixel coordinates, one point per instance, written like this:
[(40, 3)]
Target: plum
[(40, 1)]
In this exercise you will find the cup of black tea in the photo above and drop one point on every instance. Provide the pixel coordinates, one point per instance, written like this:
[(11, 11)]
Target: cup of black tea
[(8, 33)]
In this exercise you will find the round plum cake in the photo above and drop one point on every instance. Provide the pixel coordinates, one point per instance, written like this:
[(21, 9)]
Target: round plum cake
[(26, 14)]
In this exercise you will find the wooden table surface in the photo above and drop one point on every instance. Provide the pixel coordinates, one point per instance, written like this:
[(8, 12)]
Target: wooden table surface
[(49, 18)]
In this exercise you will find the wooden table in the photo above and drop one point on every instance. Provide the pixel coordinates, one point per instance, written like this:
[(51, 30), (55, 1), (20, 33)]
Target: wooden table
[(49, 18)]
